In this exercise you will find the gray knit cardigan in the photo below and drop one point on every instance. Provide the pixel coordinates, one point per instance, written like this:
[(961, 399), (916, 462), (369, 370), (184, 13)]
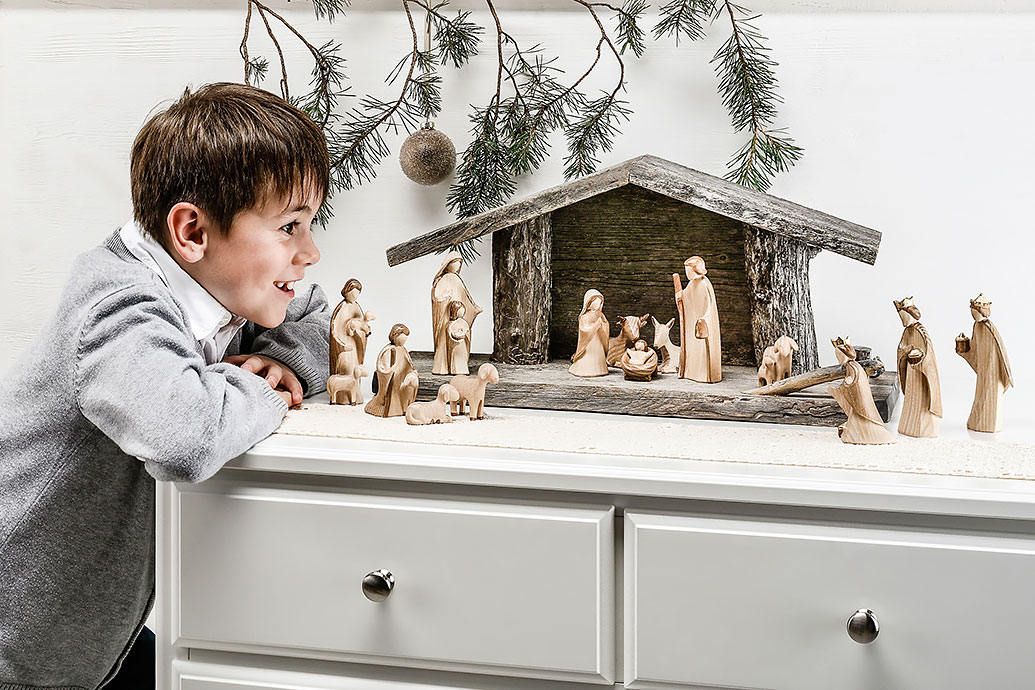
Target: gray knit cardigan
[(113, 394)]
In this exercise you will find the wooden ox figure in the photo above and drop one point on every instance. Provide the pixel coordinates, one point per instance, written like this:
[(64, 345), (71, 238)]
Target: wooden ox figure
[(630, 332)]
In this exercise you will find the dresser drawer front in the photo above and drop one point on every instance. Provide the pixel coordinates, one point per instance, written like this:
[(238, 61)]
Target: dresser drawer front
[(726, 603), (475, 583)]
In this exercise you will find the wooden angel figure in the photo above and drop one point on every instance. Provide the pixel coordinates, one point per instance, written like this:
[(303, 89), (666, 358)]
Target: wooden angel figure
[(639, 362), (590, 358), (350, 326), (917, 375), (459, 332), (448, 287), (397, 380), (986, 355), (864, 425), (700, 354), (663, 342)]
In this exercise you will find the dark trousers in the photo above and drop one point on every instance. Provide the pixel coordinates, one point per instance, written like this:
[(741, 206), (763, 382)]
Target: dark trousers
[(138, 668)]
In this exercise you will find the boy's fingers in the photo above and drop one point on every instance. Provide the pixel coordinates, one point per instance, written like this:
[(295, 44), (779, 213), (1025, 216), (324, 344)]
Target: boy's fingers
[(285, 396), (253, 364), (274, 375), (292, 385)]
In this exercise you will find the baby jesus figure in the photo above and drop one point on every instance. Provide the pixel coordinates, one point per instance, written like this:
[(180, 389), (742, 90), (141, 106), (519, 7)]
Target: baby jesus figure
[(639, 362)]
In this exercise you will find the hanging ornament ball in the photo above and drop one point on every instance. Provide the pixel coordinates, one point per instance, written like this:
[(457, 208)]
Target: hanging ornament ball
[(427, 156)]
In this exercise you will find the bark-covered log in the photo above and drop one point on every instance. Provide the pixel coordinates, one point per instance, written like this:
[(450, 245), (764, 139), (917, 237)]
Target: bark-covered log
[(521, 283), (781, 304)]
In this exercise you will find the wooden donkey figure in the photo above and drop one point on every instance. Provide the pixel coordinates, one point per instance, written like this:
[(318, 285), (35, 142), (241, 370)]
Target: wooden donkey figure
[(663, 342), (630, 332)]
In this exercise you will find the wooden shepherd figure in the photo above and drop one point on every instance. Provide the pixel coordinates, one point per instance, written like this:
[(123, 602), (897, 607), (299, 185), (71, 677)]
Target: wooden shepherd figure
[(445, 288), (700, 353), (917, 375), (590, 358), (864, 425), (349, 310), (397, 380), (986, 355)]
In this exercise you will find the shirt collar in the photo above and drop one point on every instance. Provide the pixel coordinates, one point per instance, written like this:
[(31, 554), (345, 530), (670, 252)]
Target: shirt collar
[(205, 314)]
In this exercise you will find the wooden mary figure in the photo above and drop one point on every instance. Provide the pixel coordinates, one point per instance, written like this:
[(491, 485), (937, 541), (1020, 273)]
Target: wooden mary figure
[(918, 375), (864, 425), (346, 336), (700, 353), (986, 355), (445, 288), (590, 358), (397, 380)]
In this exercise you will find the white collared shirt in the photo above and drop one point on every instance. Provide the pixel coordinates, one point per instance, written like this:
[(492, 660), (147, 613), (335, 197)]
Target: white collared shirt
[(212, 324)]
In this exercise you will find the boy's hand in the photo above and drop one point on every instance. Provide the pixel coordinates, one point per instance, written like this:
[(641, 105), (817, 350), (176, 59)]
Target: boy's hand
[(280, 377)]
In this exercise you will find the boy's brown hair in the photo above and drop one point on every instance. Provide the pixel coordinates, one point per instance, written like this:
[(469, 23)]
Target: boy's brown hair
[(225, 148)]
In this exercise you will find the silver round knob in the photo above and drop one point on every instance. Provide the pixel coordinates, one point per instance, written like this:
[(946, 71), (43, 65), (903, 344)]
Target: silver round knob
[(863, 627), (378, 585)]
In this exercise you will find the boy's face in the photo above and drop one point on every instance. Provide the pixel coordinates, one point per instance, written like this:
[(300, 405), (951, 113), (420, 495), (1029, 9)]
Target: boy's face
[(252, 270)]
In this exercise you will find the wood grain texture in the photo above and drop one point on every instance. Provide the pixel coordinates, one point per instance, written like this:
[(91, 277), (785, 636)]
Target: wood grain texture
[(550, 387), (873, 367), (690, 186), (780, 300), (627, 243), (521, 283)]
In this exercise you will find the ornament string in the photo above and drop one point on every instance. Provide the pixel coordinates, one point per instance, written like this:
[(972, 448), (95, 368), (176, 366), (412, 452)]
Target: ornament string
[(427, 51)]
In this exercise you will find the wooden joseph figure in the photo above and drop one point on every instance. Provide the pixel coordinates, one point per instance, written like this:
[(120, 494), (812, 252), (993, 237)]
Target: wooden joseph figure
[(397, 380), (700, 353), (448, 287), (590, 358), (864, 425), (986, 355), (917, 375)]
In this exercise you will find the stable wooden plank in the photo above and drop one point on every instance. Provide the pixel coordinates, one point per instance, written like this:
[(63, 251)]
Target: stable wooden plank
[(550, 387)]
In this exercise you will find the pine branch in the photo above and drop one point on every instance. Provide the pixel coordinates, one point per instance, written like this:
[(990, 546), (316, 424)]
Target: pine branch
[(329, 9), (684, 18), (630, 35)]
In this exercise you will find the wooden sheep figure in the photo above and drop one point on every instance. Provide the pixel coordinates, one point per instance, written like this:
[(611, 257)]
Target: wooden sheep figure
[(663, 342), (472, 391), (345, 388), (776, 361), (626, 338), (434, 412)]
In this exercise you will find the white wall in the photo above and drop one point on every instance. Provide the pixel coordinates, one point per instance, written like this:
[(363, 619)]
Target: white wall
[(915, 123)]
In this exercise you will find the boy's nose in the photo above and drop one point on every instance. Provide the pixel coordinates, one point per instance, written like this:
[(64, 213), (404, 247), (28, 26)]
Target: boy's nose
[(309, 254)]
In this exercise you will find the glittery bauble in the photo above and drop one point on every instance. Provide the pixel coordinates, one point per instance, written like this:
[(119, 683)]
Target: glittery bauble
[(427, 156)]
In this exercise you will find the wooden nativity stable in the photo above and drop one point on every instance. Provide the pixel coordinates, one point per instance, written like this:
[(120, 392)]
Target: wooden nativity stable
[(625, 231)]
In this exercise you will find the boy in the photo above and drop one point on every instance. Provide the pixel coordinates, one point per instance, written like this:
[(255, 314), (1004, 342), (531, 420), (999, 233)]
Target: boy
[(176, 346)]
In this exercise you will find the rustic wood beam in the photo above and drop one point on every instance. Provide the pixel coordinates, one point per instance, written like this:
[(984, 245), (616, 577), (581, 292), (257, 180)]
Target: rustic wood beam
[(521, 283), (873, 367)]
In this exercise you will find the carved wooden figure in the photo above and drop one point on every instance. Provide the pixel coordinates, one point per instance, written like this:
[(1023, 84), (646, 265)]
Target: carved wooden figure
[(435, 411), (776, 361), (864, 425), (663, 342), (397, 380), (639, 362), (628, 333), (472, 391), (345, 388), (917, 375), (590, 358), (446, 288), (986, 355), (700, 355), (348, 310)]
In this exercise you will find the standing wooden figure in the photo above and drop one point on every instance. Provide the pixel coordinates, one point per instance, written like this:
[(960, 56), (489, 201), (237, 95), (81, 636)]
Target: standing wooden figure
[(986, 355), (448, 287), (397, 380), (590, 358), (663, 342), (700, 353), (864, 425), (459, 332), (917, 375), (350, 327)]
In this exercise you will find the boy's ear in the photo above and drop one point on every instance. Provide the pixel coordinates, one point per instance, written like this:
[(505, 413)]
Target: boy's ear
[(188, 231)]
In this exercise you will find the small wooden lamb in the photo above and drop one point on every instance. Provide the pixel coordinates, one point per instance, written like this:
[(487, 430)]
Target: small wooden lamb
[(472, 391), (345, 388), (776, 361), (435, 411), (663, 342)]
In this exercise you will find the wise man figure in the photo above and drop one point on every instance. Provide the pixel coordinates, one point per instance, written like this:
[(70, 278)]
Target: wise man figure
[(864, 424), (350, 327), (917, 375), (448, 287), (700, 353), (986, 355)]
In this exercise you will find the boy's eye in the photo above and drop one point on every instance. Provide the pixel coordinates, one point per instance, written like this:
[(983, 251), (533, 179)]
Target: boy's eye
[(290, 227)]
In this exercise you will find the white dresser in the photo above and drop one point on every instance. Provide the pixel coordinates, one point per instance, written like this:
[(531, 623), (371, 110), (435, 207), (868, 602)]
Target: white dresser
[(397, 558)]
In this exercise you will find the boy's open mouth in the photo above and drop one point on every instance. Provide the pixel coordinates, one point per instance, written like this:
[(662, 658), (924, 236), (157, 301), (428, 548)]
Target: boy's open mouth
[(287, 287)]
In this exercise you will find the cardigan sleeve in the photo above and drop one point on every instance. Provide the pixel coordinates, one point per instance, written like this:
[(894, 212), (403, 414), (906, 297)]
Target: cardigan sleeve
[(139, 378), (301, 342)]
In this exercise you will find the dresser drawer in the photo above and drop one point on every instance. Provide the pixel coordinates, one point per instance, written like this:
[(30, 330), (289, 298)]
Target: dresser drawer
[(527, 589), (727, 603)]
